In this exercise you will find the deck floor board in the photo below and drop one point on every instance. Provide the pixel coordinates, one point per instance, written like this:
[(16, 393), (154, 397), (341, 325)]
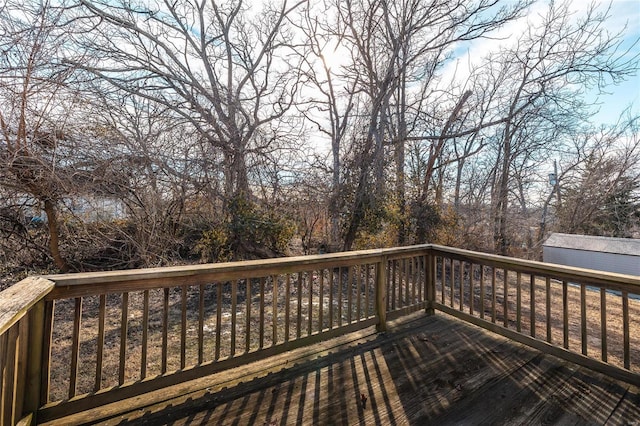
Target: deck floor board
[(425, 370)]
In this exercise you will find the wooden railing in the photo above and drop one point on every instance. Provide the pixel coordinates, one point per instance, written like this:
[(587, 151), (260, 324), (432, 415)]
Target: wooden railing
[(22, 318), (120, 334), (583, 316), (73, 342)]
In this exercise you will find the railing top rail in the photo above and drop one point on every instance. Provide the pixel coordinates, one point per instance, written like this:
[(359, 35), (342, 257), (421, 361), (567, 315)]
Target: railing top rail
[(129, 280), (20, 297), (543, 268)]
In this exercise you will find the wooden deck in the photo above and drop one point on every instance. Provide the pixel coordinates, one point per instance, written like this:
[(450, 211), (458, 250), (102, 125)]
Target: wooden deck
[(424, 370)]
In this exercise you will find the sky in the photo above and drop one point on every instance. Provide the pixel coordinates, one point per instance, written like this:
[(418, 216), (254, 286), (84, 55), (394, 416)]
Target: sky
[(625, 17), (626, 94)]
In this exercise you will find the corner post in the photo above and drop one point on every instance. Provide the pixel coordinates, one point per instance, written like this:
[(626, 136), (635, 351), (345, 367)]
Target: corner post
[(381, 293), (35, 368), (430, 282)]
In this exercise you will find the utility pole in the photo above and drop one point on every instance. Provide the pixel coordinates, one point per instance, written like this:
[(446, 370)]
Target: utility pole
[(557, 186), (554, 182)]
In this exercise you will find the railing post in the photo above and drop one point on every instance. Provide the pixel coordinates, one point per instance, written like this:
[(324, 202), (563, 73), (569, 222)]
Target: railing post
[(34, 358), (381, 293), (430, 269)]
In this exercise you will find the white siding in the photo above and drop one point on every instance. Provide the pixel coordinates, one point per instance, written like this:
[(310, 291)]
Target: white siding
[(610, 262)]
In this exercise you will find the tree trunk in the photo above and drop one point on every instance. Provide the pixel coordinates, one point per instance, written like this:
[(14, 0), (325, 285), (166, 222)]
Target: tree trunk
[(437, 149), (54, 235), (334, 205), (357, 212), (400, 158), (502, 202), (456, 194)]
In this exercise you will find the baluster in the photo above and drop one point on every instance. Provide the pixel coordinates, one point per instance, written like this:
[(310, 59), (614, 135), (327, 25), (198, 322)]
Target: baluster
[(247, 329), (274, 313), (603, 322), (145, 335), (472, 287), (75, 347), (100, 342), (583, 317), (381, 291), (565, 315), (331, 298), (505, 297), (431, 266), (358, 291), (349, 293), (482, 295), (548, 302), (340, 297), (392, 285), (218, 319), (165, 328), (261, 332), (310, 308), (321, 302), (299, 317), (183, 327), (34, 355), (625, 329), (402, 281), (461, 281), (367, 277), (234, 316), (8, 347), (201, 288), (493, 294), (287, 306), (124, 323), (532, 304), (519, 302), (452, 276), (442, 279), (418, 281), (4, 414), (49, 309)]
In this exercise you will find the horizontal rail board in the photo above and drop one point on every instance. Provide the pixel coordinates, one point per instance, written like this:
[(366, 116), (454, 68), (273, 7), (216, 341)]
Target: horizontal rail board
[(609, 280), (94, 283)]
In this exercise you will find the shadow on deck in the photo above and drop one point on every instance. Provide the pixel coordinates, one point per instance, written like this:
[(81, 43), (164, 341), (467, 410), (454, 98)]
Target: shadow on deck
[(425, 370)]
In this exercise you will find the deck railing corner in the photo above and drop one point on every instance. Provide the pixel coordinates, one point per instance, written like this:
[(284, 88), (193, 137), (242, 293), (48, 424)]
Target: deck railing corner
[(22, 319)]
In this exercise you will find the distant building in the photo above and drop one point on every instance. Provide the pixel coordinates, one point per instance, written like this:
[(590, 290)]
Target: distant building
[(96, 208), (87, 208), (619, 255)]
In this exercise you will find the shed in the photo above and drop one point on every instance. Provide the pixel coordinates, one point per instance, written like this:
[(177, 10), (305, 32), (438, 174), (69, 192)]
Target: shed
[(619, 255)]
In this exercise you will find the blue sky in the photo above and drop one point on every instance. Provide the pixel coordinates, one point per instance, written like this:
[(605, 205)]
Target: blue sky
[(626, 94), (624, 18)]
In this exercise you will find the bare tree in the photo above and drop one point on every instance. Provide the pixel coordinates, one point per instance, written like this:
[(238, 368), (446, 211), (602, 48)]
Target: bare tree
[(331, 110), (163, 162), (220, 66), (600, 186), (35, 109), (397, 50), (549, 66)]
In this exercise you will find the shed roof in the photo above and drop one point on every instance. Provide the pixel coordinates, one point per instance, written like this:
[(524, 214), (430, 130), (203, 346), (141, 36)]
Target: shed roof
[(627, 246)]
